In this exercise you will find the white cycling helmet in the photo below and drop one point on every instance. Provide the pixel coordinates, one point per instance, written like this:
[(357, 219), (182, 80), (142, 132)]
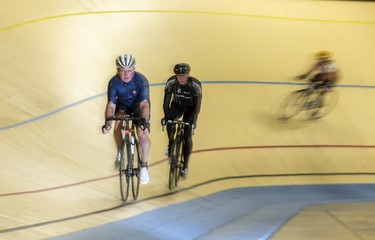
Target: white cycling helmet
[(125, 61)]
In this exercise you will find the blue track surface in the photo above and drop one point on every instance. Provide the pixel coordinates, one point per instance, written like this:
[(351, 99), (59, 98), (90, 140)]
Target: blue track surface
[(242, 213)]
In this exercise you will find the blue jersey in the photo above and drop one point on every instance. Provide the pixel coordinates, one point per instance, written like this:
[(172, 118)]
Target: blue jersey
[(126, 95)]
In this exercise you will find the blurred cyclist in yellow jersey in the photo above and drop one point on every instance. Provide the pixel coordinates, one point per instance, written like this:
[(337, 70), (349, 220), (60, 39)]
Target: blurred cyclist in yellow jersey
[(323, 75), (324, 70)]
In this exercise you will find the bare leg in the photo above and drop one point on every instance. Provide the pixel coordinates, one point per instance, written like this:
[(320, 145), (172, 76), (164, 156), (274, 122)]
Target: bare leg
[(117, 134), (144, 145)]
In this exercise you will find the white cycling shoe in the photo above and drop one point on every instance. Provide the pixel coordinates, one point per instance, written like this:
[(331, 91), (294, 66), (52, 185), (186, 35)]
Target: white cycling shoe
[(145, 177)]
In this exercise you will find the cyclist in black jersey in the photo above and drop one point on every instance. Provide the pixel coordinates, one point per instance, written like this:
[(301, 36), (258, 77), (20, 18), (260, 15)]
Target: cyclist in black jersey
[(182, 98)]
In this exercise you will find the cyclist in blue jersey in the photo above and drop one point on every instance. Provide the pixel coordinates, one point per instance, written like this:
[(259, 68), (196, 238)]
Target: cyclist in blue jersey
[(128, 93), (182, 98)]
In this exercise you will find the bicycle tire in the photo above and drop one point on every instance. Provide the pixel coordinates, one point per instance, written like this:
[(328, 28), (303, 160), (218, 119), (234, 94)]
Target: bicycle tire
[(293, 104), (172, 167), (328, 102), (176, 162), (123, 171), (136, 160)]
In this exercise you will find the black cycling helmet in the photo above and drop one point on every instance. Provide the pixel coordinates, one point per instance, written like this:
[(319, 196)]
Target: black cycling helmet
[(181, 68)]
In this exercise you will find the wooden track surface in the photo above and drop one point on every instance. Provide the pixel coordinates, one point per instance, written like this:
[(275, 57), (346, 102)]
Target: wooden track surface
[(56, 60)]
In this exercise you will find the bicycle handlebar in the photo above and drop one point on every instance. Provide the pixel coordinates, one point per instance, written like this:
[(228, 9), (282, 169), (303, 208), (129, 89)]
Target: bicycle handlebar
[(177, 122), (124, 118)]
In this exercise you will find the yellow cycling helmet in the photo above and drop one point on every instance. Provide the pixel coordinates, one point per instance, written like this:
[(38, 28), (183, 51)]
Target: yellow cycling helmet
[(323, 55)]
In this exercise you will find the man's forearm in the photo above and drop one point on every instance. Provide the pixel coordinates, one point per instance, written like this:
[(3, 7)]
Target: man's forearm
[(145, 110), (109, 112)]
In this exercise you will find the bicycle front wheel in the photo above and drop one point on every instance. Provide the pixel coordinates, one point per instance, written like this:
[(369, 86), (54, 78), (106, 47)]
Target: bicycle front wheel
[(176, 155), (123, 172), (135, 160), (293, 104)]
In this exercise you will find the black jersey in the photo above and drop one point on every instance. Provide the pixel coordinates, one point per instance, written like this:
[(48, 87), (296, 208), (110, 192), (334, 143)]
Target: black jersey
[(186, 97)]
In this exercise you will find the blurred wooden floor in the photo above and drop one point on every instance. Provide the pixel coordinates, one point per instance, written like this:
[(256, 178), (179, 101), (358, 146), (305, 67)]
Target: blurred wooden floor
[(56, 60)]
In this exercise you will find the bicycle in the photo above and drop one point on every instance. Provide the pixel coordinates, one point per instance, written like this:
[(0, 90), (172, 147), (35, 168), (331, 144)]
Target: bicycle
[(316, 100), (175, 152), (129, 167)]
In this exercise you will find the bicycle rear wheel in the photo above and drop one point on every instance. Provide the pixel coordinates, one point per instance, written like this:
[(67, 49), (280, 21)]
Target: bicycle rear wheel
[(176, 162), (320, 103), (293, 104), (136, 160), (123, 171)]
